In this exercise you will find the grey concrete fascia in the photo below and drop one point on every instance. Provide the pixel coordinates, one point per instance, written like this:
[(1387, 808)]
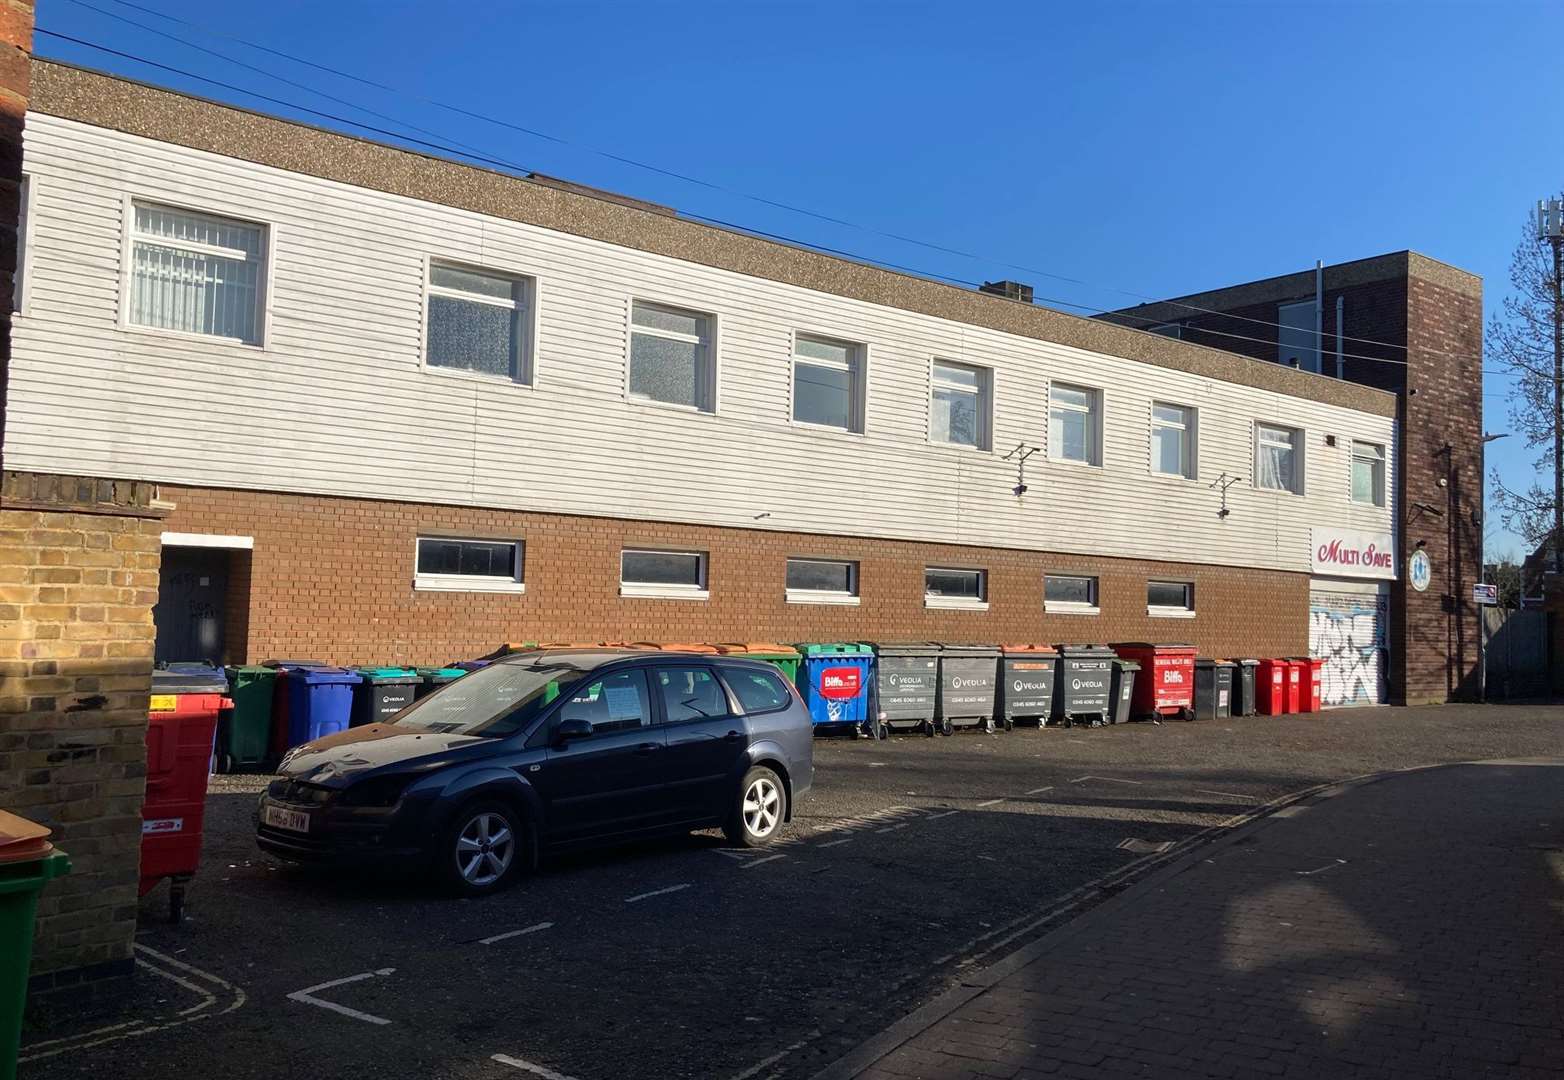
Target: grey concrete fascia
[(136, 108)]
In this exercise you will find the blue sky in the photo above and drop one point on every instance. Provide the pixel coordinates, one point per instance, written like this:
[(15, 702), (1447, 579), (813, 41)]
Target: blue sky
[(1142, 147)]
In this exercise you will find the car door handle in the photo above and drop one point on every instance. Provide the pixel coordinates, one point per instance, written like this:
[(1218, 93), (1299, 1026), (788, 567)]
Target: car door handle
[(648, 747), (731, 736)]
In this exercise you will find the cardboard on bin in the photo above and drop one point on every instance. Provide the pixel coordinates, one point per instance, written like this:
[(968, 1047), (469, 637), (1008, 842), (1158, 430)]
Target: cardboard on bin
[(742, 648), (698, 647), (22, 840)]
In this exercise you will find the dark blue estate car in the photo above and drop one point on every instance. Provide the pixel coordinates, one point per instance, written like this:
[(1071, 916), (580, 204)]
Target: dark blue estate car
[(548, 750)]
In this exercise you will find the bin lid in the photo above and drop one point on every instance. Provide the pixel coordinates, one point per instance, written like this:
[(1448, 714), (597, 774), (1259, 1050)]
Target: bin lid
[(323, 676), (691, 647), (1126, 665), (294, 663), (388, 676), (189, 679), (1247, 663), (1013, 650), (1159, 647), (948, 648), (901, 648), (22, 840), (471, 665), (446, 673), (252, 671), (1086, 650), (770, 650), (836, 648)]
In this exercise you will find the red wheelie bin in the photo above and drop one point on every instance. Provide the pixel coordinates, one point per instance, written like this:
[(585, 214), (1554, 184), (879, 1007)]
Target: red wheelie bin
[(1308, 682), (1166, 684), (1271, 687), (1294, 684), (181, 723)]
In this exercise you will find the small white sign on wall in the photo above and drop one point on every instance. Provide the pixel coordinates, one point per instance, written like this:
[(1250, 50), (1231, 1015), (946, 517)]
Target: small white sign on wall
[(1348, 553)]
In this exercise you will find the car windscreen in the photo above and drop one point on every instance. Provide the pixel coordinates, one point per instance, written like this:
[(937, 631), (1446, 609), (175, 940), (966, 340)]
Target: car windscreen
[(494, 701)]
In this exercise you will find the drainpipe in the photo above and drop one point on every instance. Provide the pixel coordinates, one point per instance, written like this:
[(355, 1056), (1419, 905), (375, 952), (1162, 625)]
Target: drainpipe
[(1319, 316), (1341, 368)]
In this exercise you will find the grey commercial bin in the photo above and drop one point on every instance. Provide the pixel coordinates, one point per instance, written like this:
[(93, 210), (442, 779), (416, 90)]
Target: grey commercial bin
[(1244, 703), (1026, 684), (968, 685), (1123, 691), (1213, 688), (906, 686), (1083, 690)]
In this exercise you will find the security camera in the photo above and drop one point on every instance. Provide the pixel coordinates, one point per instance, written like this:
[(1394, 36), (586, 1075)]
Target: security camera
[(1442, 482), (1019, 489)]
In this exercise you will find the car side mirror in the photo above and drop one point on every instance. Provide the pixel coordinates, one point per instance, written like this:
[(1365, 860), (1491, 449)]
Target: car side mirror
[(571, 730)]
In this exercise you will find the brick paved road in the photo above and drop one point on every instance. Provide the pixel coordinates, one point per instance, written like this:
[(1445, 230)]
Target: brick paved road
[(1412, 927)]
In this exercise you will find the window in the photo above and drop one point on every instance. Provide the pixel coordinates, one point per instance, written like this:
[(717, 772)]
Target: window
[(1368, 473), (1171, 599), (1074, 424), (19, 278), (469, 565), (757, 691), (822, 581), (479, 321), (670, 357), (1167, 329), (944, 587), (616, 702), (1277, 459), (691, 693), (196, 273), (960, 406), (1173, 440), (828, 383), (1070, 593), (1295, 340), (676, 574)]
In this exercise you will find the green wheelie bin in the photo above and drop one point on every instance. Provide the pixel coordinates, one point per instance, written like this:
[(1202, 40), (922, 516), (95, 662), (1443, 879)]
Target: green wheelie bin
[(245, 739), (27, 862), (434, 678)]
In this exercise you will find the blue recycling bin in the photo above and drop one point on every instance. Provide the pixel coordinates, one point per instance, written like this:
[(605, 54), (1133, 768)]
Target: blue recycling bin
[(320, 701), (834, 681)]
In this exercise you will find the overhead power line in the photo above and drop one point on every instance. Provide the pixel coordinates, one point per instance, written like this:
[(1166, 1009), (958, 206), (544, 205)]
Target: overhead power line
[(511, 166), (673, 174)]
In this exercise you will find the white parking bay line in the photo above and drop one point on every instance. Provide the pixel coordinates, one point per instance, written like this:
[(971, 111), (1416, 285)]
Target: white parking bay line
[(307, 997), (528, 1066), (1107, 780), (1224, 794), (1040, 790), (991, 802), (838, 843), (936, 817), (515, 933), (656, 892), (761, 862)]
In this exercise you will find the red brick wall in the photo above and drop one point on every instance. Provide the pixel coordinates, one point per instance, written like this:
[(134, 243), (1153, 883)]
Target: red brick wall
[(332, 579)]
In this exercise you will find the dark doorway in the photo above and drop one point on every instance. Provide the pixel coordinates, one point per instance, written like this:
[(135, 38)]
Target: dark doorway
[(190, 601)]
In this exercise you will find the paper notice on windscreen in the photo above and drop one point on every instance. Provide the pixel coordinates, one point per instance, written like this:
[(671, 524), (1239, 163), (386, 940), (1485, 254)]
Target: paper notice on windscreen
[(623, 702)]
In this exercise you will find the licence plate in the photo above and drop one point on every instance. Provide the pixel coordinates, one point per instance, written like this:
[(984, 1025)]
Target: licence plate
[(292, 820)]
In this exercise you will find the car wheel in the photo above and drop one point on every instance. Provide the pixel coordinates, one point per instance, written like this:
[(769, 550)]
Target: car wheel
[(760, 809), (482, 849)]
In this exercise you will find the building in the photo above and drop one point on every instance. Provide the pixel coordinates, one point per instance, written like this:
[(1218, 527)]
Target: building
[(1413, 326), (414, 408)]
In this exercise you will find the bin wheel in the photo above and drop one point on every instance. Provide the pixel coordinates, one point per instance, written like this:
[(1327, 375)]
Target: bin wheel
[(946, 727), (881, 732), (225, 763), (1010, 725), (928, 728)]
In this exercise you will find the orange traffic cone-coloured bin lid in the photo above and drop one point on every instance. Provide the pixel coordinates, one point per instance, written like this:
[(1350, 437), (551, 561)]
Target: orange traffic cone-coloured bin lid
[(22, 840)]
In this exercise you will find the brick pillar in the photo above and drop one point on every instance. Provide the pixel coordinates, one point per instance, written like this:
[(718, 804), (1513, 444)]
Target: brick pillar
[(78, 577)]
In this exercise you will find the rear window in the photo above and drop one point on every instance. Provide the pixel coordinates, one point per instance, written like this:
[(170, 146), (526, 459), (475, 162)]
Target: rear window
[(757, 691)]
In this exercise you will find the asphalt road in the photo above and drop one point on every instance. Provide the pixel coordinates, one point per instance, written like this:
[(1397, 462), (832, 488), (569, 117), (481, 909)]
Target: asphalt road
[(912, 860)]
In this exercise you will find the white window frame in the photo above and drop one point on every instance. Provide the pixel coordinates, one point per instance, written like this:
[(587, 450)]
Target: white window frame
[(263, 284), (1380, 473), (1073, 607), (857, 368), (525, 372), (1300, 440), (713, 382), (1173, 330), (514, 583), (1094, 417), (1282, 326), (24, 244), (653, 591), (824, 596), (957, 603), (985, 396), (1190, 467), (1168, 611)]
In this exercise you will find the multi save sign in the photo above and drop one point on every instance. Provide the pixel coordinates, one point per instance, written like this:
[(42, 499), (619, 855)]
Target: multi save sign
[(1346, 553)]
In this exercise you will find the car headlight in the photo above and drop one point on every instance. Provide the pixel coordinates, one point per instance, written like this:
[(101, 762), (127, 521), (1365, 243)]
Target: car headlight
[(375, 791)]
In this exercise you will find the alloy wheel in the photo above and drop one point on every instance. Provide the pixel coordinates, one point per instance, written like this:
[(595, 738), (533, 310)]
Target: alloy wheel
[(484, 849), (762, 807)]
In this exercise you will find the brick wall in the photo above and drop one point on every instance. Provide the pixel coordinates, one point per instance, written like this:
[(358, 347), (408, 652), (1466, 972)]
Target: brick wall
[(76, 592), (1442, 442), (331, 579), (16, 47)]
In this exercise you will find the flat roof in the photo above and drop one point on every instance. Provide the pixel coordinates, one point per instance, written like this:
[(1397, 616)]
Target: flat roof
[(137, 108)]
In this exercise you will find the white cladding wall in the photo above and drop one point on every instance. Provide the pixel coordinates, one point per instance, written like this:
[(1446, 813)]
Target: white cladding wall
[(337, 400)]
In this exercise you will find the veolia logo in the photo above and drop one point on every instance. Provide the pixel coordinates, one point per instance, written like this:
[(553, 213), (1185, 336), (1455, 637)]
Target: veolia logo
[(1021, 685)]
